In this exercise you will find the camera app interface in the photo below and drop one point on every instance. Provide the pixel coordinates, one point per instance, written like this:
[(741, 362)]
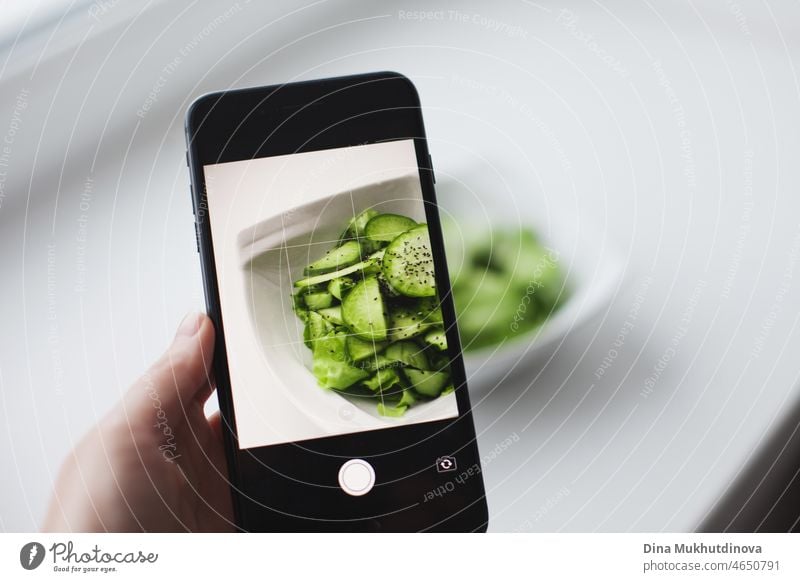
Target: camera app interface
[(329, 302)]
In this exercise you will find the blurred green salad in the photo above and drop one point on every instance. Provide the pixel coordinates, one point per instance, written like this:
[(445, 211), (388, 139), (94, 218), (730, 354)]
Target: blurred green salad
[(371, 316), (505, 282)]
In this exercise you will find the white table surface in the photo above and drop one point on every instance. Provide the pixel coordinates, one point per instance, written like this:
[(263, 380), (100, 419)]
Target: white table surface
[(673, 130)]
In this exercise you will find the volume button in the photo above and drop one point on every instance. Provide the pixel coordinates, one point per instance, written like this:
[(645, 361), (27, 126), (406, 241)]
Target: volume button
[(197, 237)]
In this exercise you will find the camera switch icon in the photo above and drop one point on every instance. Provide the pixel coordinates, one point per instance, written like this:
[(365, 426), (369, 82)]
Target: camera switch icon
[(445, 464)]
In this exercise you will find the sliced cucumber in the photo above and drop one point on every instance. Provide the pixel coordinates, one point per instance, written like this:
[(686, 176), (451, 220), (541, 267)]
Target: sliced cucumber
[(335, 259), (363, 310), (359, 349), (432, 311), (316, 328), (376, 362), (332, 314), (398, 408), (409, 354), (439, 361), (386, 227), (485, 303), (407, 398), (370, 265), (361, 391), (387, 290), (382, 380), (408, 263), (330, 363), (298, 302), (409, 320), (340, 285), (518, 254), (427, 383), (436, 338), (400, 328), (319, 300), (355, 228)]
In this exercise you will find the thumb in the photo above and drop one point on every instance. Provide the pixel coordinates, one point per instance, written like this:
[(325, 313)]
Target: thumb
[(178, 377)]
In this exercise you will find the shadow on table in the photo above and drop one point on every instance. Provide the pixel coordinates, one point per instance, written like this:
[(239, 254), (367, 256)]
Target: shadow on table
[(766, 496)]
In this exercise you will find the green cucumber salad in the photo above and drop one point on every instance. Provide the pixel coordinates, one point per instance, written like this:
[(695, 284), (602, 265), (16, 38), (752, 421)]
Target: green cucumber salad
[(371, 316)]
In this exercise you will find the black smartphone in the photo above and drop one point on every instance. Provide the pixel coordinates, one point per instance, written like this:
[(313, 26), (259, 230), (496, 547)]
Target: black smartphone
[(338, 364)]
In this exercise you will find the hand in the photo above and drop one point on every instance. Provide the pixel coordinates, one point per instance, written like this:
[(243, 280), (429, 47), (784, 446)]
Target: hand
[(155, 462)]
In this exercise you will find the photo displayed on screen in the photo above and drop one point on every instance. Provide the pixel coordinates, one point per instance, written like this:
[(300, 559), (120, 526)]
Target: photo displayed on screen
[(329, 303)]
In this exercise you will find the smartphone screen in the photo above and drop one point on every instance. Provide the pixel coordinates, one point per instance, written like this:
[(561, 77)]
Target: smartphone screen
[(327, 290), (338, 363)]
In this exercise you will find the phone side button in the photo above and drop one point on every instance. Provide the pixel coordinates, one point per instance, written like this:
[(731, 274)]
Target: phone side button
[(197, 238), (430, 165), (356, 477)]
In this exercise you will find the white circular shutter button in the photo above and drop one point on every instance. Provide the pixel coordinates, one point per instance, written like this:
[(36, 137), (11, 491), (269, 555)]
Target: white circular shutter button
[(356, 477)]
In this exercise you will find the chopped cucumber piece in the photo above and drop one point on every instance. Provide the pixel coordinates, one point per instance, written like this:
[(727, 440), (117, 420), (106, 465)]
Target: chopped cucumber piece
[(436, 338), (409, 354), (359, 349), (355, 228), (482, 302), (317, 301), (387, 290), (408, 263), (368, 266), (363, 310), (331, 367), (427, 383), (505, 283), (439, 361), (335, 259), (390, 407), (386, 227), (376, 362), (338, 286), (332, 314), (316, 327), (407, 398), (382, 380), (409, 320), (516, 253)]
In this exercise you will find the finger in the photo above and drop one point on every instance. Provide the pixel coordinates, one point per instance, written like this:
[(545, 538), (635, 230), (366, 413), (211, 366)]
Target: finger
[(215, 424), (180, 377)]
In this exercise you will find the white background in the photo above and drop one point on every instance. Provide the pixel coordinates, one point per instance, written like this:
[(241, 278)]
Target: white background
[(582, 112)]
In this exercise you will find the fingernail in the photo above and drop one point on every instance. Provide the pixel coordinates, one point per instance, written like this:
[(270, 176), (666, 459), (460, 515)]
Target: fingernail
[(189, 325)]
